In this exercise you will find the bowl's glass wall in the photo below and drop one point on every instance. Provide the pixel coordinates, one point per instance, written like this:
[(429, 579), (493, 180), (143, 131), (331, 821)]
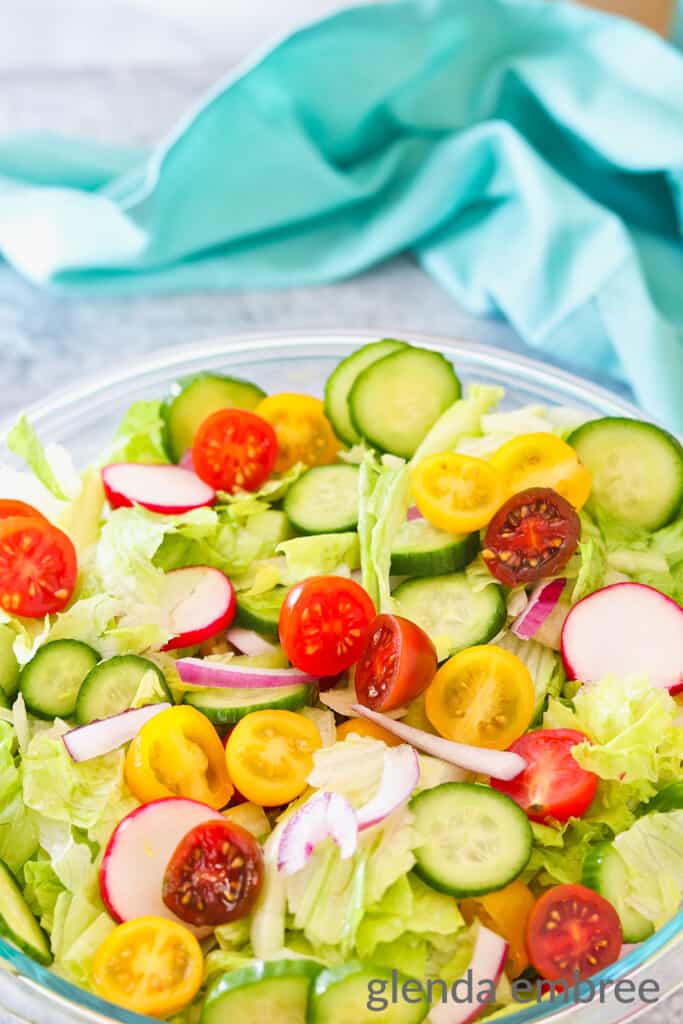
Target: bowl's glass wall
[(84, 417)]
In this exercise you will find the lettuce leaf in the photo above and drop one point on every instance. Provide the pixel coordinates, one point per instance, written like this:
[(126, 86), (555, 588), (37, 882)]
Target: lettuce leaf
[(462, 420), (324, 554), (24, 442), (652, 853), (499, 427), (558, 853), (141, 435), (383, 502), (18, 831), (544, 664)]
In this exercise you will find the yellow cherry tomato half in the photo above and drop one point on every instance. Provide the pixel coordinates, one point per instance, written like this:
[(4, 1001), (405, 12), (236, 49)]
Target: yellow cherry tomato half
[(484, 696), (542, 460), (457, 493), (505, 912), (149, 965), (178, 753), (304, 433), (270, 754), (361, 727)]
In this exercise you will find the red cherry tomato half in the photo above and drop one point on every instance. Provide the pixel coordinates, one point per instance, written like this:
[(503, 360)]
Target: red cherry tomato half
[(234, 450), (38, 567), (553, 784), (533, 535), (397, 664), (572, 932), (323, 624), (12, 507), (214, 875)]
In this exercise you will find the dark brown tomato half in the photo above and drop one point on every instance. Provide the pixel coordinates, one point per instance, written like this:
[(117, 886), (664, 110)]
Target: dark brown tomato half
[(397, 663)]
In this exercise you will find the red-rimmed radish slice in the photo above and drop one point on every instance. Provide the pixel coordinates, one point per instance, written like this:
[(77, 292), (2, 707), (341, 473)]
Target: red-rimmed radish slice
[(134, 863), (626, 629), (542, 601), (249, 642), (198, 672), (499, 764), (107, 734), (200, 602), (166, 489), (324, 816), (400, 776), (485, 970)]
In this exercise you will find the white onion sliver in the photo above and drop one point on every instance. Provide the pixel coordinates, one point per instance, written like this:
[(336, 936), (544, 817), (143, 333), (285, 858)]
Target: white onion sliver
[(324, 816), (249, 642), (342, 702), (543, 599), (500, 764), (201, 672), (485, 968), (400, 776), (107, 734)]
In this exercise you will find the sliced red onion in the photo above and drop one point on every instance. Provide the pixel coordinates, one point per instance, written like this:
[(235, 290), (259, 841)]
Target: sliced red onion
[(343, 701), (542, 600), (249, 642), (486, 967), (186, 460), (413, 513), (202, 672), (499, 764), (400, 776), (107, 734), (324, 816)]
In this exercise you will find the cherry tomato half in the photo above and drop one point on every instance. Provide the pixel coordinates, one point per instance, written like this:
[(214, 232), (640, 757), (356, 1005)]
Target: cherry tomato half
[(572, 931), (553, 784), (397, 663), (38, 567), (362, 727), (10, 507), (149, 965), (304, 433), (457, 493), (543, 460), (323, 624), (270, 754), (505, 912), (214, 875), (533, 535), (234, 450)]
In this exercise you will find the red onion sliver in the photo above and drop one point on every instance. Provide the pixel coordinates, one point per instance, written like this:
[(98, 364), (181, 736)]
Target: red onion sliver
[(325, 815), (202, 672), (486, 967), (543, 599), (413, 513), (107, 734), (400, 776)]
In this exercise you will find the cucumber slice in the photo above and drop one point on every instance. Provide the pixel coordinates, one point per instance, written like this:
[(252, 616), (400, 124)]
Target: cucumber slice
[(605, 872), (324, 500), (272, 991), (421, 549), (474, 839), (395, 401), (9, 666), (341, 380), (111, 686), (17, 923), (344, 995), (272, 526), (637, 470), (224, 706), (51, 681), (261, 612), (451, 612), (195, 398)]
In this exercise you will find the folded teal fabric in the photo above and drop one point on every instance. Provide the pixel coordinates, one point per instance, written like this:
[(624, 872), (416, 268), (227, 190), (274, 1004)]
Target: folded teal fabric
[(530, 155)]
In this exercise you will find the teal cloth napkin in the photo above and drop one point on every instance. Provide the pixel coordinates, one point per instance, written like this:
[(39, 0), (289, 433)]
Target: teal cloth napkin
[(530, 155)]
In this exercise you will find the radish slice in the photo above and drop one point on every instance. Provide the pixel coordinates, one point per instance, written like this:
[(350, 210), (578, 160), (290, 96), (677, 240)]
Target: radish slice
[(199, 672), (342, 703), (413, 513), (400, 776), (324, 816), (499, 764), (134, 863), (542, 601), (249, 642), (200, 602), (186, 461), (107, 734), (484, 973), (167, 489), (626, 629)]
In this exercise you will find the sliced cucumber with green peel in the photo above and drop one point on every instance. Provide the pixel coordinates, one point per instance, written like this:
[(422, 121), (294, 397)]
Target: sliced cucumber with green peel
[(110, 687), (395, 401), (9, 666), (342, 379), (224, 706), (324, 500), (261, 612), (473, 839), (421, 549), (605, 872), (637, 470), (17, 923), (345, 995), (272, 526), (267, 992), (51, 681), (453, 614), (195, 398)]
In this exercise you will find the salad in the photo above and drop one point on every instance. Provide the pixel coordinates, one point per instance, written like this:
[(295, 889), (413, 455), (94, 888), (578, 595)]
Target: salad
[(304, 700)]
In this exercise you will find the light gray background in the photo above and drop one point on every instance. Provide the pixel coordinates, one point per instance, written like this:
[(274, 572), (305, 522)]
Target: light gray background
[(122, 71)]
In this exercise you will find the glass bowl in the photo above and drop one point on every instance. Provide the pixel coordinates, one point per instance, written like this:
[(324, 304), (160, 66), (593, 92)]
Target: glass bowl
[(83, 418)]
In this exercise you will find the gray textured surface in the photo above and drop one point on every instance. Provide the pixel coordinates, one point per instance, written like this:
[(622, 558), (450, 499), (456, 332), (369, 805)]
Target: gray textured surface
[(116, 71)]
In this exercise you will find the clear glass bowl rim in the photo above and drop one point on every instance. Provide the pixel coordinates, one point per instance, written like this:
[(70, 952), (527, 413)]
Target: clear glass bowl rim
[(63, 408)]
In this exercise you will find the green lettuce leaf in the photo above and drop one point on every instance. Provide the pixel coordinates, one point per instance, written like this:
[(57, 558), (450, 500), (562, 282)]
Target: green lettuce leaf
[(18, 831), (557, 854), (141, 435), (408, 910), (544, 664), (324, 554), (24, 442), (462, 420), (652, 853), (495, 429), (383, 502)]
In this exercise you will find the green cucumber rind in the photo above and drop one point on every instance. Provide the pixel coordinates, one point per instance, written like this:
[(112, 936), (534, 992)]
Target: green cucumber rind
[(86, 703), (301, 506), (251, 977), (331, 977), (248, 616), (35, 690), (220, 707), (179, 392), (670, 798), (336, 390), (40, 948), (457, 552), (9, 666), (634, 926)]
